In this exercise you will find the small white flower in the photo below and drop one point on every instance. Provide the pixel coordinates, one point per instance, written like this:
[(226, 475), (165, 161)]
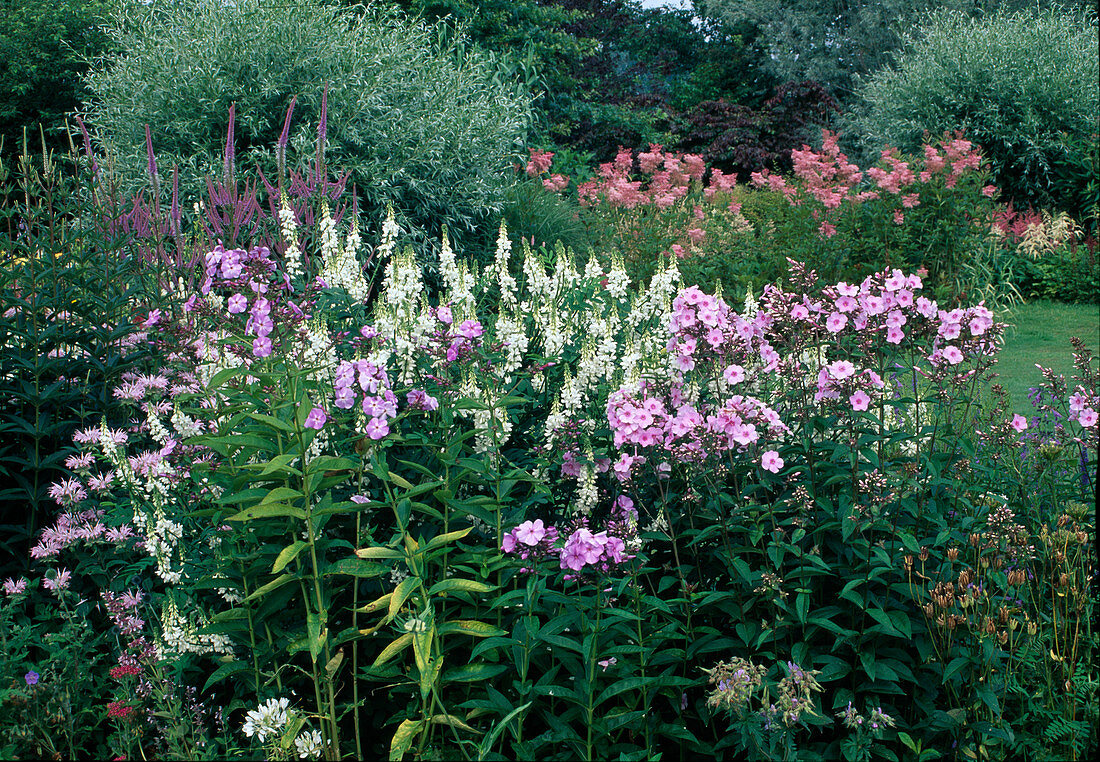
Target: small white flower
[(309, 745), (268, 719)]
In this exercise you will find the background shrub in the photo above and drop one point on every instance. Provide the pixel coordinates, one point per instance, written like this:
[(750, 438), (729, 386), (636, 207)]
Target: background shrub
[(1022, 85), (743, 140), (418, 119), (44, 47)]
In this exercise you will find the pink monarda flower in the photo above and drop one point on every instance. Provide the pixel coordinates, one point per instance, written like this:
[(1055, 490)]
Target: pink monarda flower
[(1019, 423), (67, 492), (58, 582), (14, 586), (770, 461)]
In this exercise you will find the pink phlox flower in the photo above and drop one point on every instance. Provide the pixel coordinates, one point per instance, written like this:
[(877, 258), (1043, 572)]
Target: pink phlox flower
[(315, 419), (1078, 401), (952, 354), (860, 400), (770, 461), (1087, 417), (237, 304), (836, 321), (1019, 423), (733, 374), (262, 347), (841, 369), (377, 428), (531, 532)]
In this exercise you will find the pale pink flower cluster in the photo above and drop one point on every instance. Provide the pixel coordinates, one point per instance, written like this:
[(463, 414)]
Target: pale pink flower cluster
[(830, 179), (539, 164), (668, 177)]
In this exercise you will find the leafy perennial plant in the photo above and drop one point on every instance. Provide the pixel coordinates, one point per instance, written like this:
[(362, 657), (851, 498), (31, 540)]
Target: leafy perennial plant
[(546, 514)]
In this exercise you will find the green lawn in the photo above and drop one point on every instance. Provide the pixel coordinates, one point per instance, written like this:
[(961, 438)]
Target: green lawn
[(1039, 333)]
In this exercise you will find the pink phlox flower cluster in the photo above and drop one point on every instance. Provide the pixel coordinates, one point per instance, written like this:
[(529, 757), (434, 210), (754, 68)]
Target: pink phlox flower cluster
[(419, 399), (531, 540), (1083, 408), (600, 550), (453, 342), (369, 384)]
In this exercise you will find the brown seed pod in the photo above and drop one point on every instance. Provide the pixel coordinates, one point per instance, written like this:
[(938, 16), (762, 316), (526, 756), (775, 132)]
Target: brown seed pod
[(952, 554)]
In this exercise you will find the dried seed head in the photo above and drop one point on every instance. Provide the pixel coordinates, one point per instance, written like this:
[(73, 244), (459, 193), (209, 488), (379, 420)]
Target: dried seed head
[(924, 553), (929, 610), (1032, 627), (1002, 636), (952, 554), (975, 539)]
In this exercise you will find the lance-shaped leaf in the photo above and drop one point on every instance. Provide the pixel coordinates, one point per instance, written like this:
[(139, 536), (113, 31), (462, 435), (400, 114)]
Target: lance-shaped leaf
[(403, 738), (288, 554)]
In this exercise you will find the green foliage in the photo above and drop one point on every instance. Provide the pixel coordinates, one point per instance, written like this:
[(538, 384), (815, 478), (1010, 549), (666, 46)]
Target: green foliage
[(419, 120), (544, 218), (65, 297), (1022, 85), (44, 48)]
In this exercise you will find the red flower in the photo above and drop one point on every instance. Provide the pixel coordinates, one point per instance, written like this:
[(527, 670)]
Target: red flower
[(119, 710)]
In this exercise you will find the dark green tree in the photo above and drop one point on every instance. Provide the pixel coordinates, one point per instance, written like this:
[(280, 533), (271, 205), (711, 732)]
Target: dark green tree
[(44, 48)]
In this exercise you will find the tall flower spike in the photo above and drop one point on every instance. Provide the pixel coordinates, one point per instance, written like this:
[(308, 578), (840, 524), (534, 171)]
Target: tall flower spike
[(229, 159)]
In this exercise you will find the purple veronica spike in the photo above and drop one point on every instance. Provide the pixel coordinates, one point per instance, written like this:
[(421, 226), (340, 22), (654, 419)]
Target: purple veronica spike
[(322, 128), (229, 147), (175, 209), (152, 156), (284, 138)]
